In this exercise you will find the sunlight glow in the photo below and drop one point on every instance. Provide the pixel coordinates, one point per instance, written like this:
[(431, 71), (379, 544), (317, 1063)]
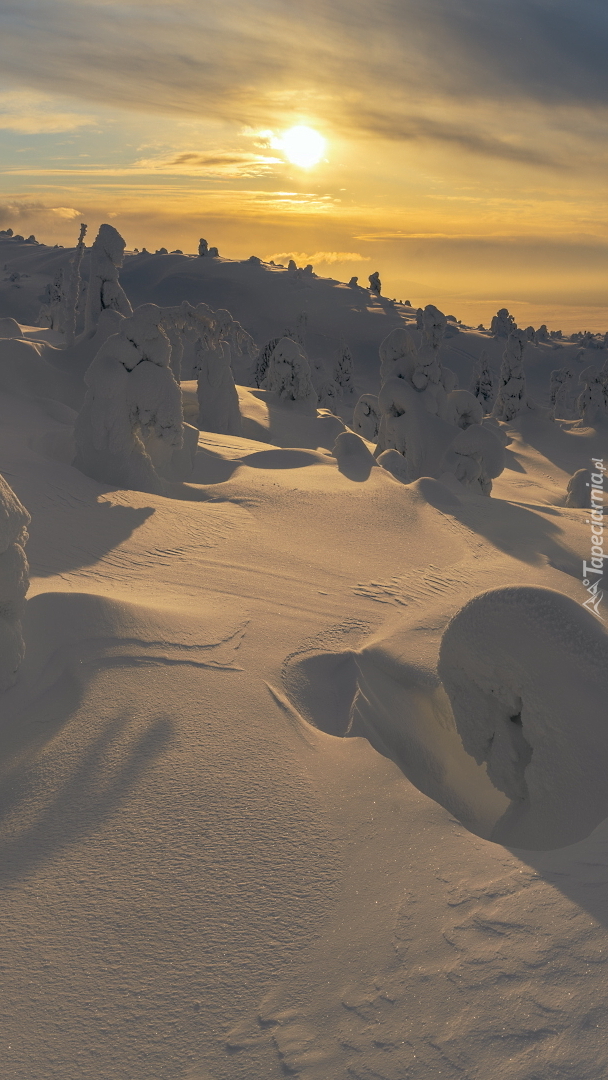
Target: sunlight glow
[(303, 146)]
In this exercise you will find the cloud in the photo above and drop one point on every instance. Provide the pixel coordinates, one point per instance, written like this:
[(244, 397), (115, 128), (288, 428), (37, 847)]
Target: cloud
[(328, 257), (214, 163), (502, 80), (22, 210), (34, 114)]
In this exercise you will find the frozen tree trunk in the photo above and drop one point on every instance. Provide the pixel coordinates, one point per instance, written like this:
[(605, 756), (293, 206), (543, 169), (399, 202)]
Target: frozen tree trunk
[(14, 582), (73, 292), (218, 401), (104, 290), (512, 400)]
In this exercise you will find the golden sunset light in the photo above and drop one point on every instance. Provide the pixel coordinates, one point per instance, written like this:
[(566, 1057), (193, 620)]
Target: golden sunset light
[(303, 559), (302, 146)]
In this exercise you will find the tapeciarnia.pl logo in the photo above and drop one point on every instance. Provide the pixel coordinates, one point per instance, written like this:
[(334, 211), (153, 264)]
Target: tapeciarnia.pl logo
[(593, 571)]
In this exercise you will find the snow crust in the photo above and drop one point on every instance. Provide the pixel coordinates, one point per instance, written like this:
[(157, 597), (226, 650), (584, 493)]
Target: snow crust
[(303, 766)]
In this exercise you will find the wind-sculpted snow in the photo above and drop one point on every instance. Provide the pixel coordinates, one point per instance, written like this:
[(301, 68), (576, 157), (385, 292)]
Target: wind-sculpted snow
[(14, 582), (526, 672), (507, 730)]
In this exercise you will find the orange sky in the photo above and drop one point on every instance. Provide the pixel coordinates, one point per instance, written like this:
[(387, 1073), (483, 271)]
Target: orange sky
[(465, 141)]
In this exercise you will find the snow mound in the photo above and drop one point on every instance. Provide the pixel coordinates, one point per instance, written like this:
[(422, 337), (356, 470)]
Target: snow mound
[(526, 671)]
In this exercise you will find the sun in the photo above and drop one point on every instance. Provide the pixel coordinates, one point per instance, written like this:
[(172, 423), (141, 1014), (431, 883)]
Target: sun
[(303, 146)]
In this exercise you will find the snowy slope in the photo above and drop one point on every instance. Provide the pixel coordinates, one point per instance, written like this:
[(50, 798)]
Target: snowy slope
[(242, 837)]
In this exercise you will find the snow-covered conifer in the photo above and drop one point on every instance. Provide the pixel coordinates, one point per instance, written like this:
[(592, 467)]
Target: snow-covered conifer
[(104, 290), (475, 457), (511, 399), (52, 313), (593, 401), (375, 284), (503, 324), (419, 319), (354, 282), (259, 374), (367, 417), (203, 247), (73, 290), (561, 383), (482, 385), (132, 417), (218, 401), (530, 333), (542, 335), (343, 370), (398, 355), (298, 331), (433, 326), (14, 582), (288, 373)]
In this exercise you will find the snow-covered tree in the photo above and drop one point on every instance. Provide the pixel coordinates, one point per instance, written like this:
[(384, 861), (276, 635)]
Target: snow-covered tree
[(542, 335), (354, 283), (503, 323), (560, 386), (419, 319), (104, 290), (434, 325), (52, 313), (482, 385), (218, 401), (398, 355), (593, 401), (74, 290), (259, 374), (375, 284), (511, 399), (530, 333), (343, 370), (297, 332), (14, 582), (132, 414), (288, 374), (203, 247), (475, 457), (366, 417)]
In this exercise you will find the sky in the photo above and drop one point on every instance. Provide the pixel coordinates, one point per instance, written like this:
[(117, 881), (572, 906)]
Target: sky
[(465, 154)]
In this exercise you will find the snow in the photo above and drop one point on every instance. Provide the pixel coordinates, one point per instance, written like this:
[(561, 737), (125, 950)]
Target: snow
[(303, 765)]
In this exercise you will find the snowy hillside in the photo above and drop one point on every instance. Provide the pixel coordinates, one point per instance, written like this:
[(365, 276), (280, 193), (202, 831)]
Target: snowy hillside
[(304, 715)]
